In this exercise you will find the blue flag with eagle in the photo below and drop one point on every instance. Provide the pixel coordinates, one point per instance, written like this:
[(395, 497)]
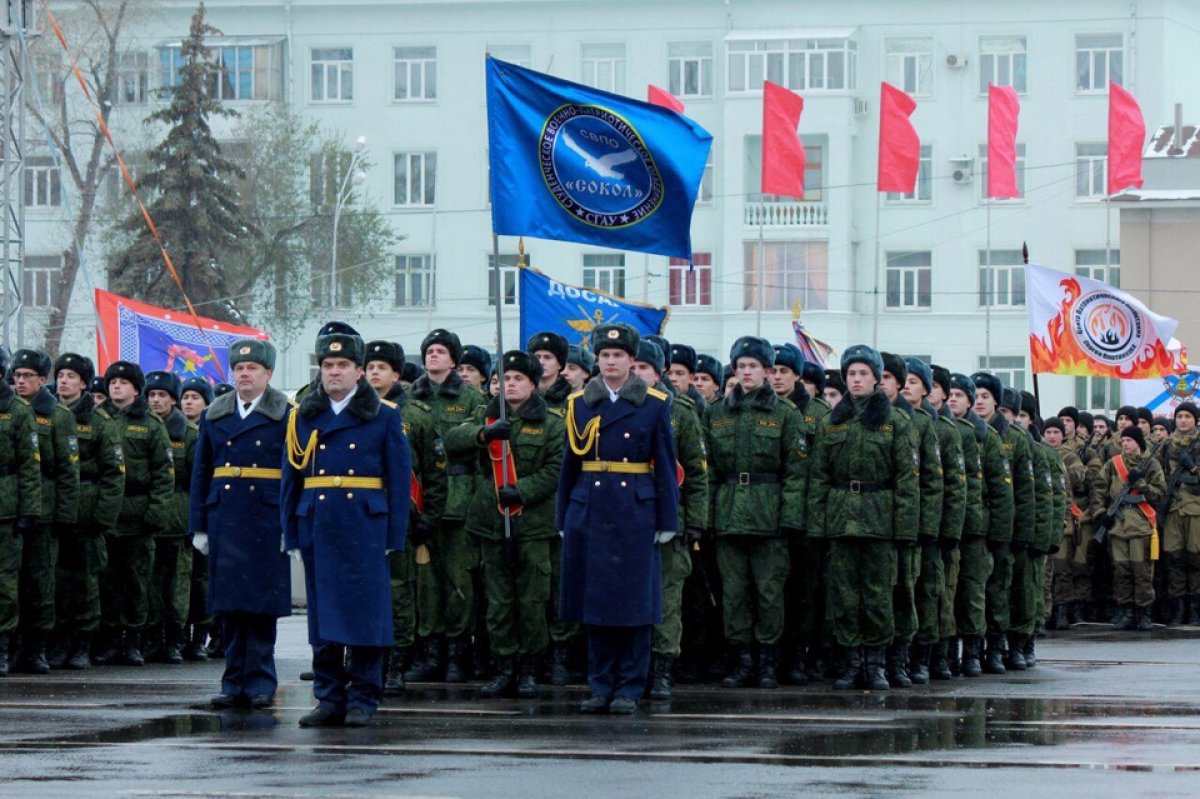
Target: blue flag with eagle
[(573, 163), (573, 312)]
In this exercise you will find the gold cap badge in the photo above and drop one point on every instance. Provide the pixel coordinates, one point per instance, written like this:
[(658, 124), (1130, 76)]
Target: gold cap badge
[(614, 333), (244, 351), (335, 346)]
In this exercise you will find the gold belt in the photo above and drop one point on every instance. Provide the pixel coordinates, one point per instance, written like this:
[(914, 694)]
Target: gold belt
[(620, 467), (343, 482), (248, 471)]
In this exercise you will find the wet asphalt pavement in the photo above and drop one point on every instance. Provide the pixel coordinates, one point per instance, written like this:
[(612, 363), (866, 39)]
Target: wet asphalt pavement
[(1103, 714)]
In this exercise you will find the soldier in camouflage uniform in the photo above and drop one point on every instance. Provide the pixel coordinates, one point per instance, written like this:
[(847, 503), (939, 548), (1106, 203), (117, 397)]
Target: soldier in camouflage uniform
[(385, 363), (675, 555), (476, 366), (1046, 528), (59, 450), (552, 352), (82, 556), (863, 497), (1062, 556), (195, 395), (145, 510), (445, 590), (1026, 526), (707, 378), (956, 494), (516, 570), (171, 575), (20, 501), (579, 366), (1181, 527), (987, 527)]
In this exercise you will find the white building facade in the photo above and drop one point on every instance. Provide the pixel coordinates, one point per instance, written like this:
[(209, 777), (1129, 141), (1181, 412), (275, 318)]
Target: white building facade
[(409, 77)]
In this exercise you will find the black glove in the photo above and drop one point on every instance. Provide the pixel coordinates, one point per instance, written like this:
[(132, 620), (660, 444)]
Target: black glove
[(1186, 460), (499, 430), (24, 525), (1136, 475), (1036, 553), (693, 536), (948, 544), (508, 496), (1053, 550), (420, 532), (1108, 521)]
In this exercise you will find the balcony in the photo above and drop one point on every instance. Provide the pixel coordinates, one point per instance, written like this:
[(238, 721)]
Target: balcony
[(786, 214)]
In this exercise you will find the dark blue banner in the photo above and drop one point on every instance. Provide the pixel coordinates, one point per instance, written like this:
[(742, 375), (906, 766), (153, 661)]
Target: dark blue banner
[(573, 312)]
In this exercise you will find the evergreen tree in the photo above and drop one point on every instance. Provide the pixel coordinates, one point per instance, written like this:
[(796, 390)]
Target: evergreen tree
[(191, 196)]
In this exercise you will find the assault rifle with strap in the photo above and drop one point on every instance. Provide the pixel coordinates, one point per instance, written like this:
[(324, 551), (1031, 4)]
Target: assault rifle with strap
[(1116, 508), (1187, 464)]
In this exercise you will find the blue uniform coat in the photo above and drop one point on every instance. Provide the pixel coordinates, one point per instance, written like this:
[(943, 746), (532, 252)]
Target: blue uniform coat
[(344, 533), (610, 565), (247, 571)]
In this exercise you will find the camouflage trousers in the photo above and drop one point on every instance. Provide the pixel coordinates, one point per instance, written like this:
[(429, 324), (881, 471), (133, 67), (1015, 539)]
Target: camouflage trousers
[(861, 577), (125, 584), (10, 576), (198, 599), (999, 586), (1023, 592), (1067, 565), (754, 570), (560, 631), (805, 621), (1181, 550), (445, 588), (947, 623), (676, 563), (974, 569), (517, 594), (931, 582), (81, 559), (1133, 571), (37, 578), (402, 573)]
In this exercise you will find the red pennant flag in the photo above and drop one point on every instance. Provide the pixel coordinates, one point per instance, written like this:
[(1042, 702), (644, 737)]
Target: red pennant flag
[(664, 98), (782, 151), (899, 145), (1003, 110), (1126, 137)]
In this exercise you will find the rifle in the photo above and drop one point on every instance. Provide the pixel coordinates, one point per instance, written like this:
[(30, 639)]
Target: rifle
[(425, 557), (1116, 508), (1177, 478)]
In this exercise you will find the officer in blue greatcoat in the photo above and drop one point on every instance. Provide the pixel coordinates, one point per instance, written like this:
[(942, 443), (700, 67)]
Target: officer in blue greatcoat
[(234, 520), (344, 507), (617, 498)]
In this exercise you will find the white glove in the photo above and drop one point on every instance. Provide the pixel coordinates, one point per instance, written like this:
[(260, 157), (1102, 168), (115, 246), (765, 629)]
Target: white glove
[(200, 542), (387, 552), (282, 543), (663, 536), (562, 534), (295, 553)]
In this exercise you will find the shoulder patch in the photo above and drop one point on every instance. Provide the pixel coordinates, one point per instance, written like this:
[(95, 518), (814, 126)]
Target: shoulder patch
[(388, 403), (886, 428), (659, 395), (575, 395)]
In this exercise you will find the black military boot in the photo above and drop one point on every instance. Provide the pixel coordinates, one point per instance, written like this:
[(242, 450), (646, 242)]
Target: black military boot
[(58, 649), (34, 653), (527, 685), (1175, 611), (153, 644), (953, 658), (81, 650), (1192, 614), (4, 637), (918, 671), (456, 650), (897, 666), (768, 664), (503, 683), (743, 669), (939, 669), (130, 654), (216, 640), (171, 650), (1014, 659), (818, 663), (850, 665), (1028, 651), (994, 657), (874, 675), (559, 673), (1143, 619), (426, 665), (194, 648), (393, 683), (1051, 621), (660, 678), (796, 675), (971, 667), (1062, 619), (1123, 620), (105, 652)]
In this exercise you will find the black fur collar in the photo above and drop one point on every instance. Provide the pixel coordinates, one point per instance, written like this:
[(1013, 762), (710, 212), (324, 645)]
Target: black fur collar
[(44, 402), (999, 423), (874, 412), (927, 406), (903, 405), (273, 405), (6, 395), (83, 409), (364, 404), (176, 425), (558, 392), (981, 427), (945, 412), (136, 409), (534, 409), (398, 395), (800, 398), (425, 388), (696, 397), (633, 391), (762, 398)]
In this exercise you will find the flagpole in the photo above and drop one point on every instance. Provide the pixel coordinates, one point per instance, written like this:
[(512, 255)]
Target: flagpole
[(875, 299), (646, 279), (1108, 242), (501, 403), (987, 294), (762, 270)]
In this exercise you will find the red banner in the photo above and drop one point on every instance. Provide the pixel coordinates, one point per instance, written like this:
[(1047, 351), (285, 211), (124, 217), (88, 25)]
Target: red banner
[(899, 144)]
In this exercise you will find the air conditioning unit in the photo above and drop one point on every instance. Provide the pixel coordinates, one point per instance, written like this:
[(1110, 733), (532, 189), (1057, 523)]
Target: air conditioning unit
[(962, 170), (955, 61), (862, 106)]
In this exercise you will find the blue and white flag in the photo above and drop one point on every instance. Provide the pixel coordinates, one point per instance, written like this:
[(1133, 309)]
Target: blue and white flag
[(573, 163), (574, 312)]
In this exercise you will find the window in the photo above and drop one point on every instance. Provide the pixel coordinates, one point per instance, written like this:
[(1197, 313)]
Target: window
[(43, 275), (604, 272), (1099, 60), (1097, 394), (326, 171), (43, 183), (1091, 171), (1009, 368), (510, 275), (909, 65), (415, 73), (813, 173), (243, 71), (799, 64), (1020, 169), (314, 367), (794, 271), (690, 65), (1008, 278), (1002, 62), (909, 279), (519, 54), (924, 187), (604, 66), (691, 287), (705, 195), (414, 281), (1090, 263), (133, 78), (416, 176), (332, 290), (332, 75), (48, 76)]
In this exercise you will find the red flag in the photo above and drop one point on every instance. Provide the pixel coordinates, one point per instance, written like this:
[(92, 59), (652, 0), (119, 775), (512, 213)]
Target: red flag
[(899, 145), (1003, 109), (782, 151), (1126, 136), (663, 98)]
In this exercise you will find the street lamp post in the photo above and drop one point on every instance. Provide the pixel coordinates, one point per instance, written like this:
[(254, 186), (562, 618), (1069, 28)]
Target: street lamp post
[(353, 177)]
